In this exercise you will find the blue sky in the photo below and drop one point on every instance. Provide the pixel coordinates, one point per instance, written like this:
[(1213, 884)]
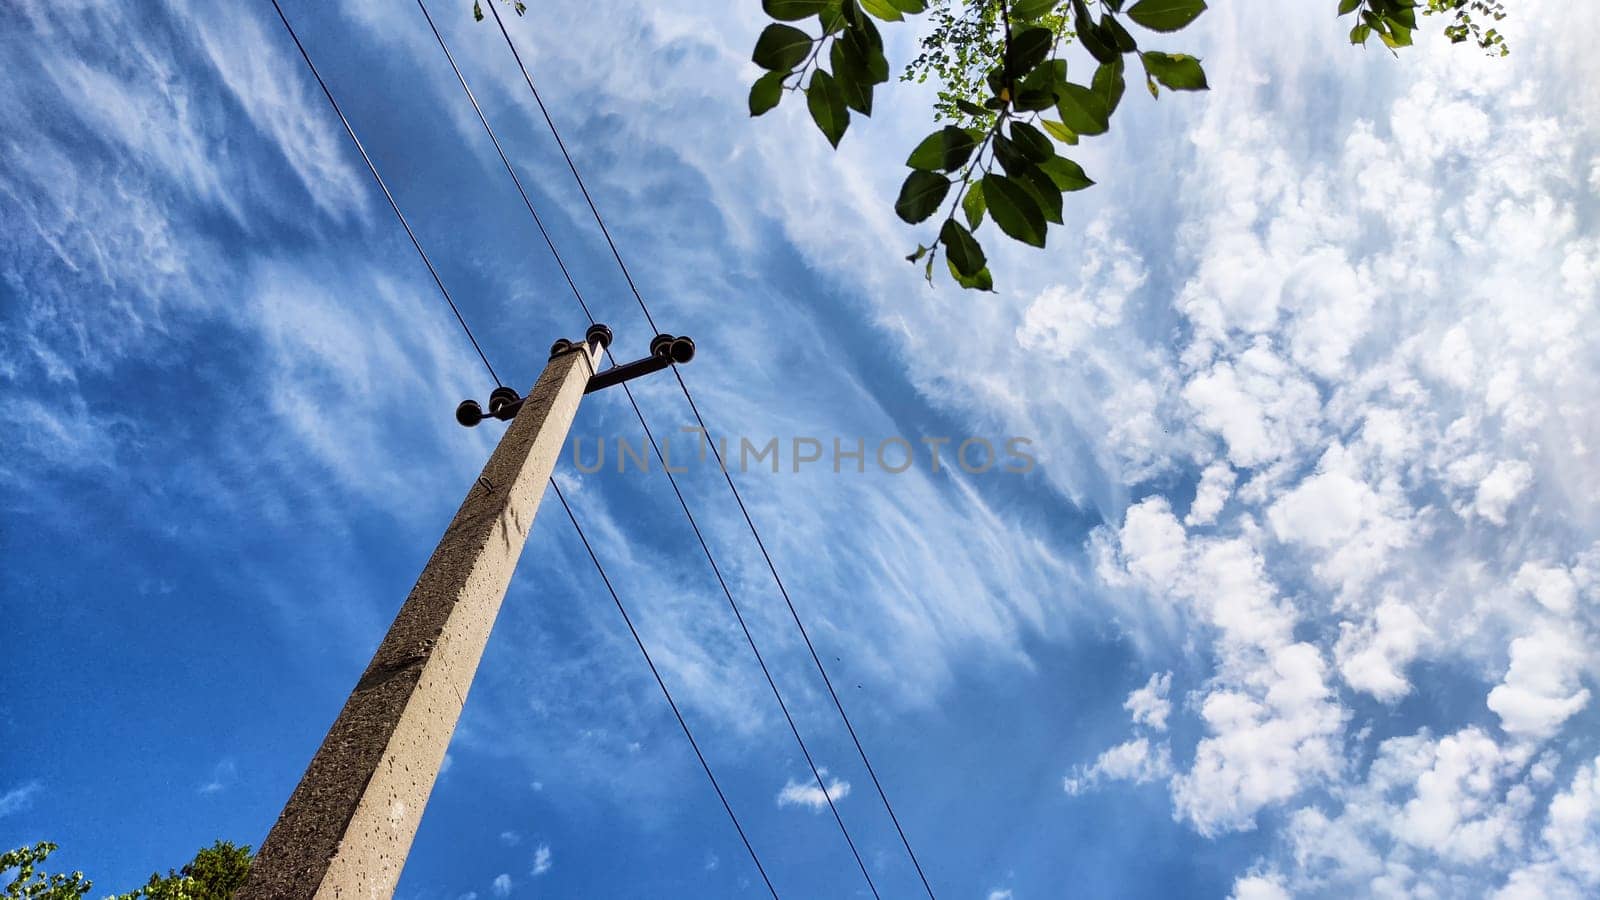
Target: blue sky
[(1298, 602)]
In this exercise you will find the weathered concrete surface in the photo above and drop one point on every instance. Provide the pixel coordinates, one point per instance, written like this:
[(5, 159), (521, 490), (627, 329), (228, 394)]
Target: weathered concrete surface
[(347, 828)]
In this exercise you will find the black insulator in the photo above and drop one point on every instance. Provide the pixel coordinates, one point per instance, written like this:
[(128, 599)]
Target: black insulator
[(682, 350), (500, 398), (661, 345), (598, 334), (469, 413), (561, 346)]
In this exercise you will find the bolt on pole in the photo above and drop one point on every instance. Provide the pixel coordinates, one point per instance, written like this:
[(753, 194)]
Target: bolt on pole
[(348, 826)]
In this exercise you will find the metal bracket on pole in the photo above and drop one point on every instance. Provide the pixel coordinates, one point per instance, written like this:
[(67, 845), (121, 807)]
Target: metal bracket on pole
[(665, 350)]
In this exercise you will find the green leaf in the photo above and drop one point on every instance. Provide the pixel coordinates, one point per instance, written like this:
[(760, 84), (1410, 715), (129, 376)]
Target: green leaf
[(1360, 33), (1028, 48), (883, 9), (867, 31), (832, 17), (1011, 157), (919, 253), (826, 102), (1397, 36), (910, 7), (1166, 15), (921, 195), (793, 10), (1089, 34), (1178, 71), (869, 52), (1037, 89), (1013, 208), (1029, 10), (1119, 36), (963, 252), (781, 48), (948, 149), (982, 281), (1082, 110), (970, 108), (972, 204), (1032, 142), (477, 11), (1067, 175), (1044, 192), (1059, 131), (1346, 7), (850, 72), (1109, 85), (766, 92)]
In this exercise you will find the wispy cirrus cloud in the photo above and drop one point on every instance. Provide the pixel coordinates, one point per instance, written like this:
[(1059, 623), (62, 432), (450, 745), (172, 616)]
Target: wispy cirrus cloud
[(20, 797)]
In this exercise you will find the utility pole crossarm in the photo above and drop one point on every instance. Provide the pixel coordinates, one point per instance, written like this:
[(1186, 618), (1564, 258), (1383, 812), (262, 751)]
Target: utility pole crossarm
[(348, 826)]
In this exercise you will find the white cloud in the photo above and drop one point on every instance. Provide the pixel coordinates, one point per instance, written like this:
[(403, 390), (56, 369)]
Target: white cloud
[(542, 860), (1257, 404), (19, 798), (510, 838), (1260, 887), (1149, 705), (1553, 586), (809, 793), (1060, 320), (1135, 761), (1500, 488), (1373, 655), (1541, 688), (1271, 718), (1455, 810), (501, 885), (1216, 483), (223, 775)]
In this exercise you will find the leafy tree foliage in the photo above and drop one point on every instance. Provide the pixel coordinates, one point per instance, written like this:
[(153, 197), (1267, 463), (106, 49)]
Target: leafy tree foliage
[(31, 884), (477, 8), (214, 874), (1011, 109)]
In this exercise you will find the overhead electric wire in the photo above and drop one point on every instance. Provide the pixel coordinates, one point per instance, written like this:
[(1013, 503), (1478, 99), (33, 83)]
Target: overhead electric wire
[(682, 502), (371, 167), (387, 195), (663, 685), (755, 532)]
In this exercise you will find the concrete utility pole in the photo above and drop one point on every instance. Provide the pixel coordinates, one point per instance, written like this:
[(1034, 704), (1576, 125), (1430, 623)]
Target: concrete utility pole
[(348, 826)]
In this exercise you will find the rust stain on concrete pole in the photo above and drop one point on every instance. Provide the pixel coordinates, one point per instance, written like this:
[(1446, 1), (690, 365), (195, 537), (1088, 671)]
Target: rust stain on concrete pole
[(347, 828)]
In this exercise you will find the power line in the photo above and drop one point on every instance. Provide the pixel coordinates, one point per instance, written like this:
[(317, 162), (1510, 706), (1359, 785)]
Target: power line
[(440, 283), (385, 188), (599, 220), (507, 163), (682, 502), (664, 691), (568, 156)]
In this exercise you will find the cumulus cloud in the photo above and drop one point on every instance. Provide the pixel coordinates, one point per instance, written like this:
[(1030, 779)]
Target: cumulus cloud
[(1372, 656), (1216, 483), (1271, 717), (1541, 688), (542, 860), (1135, 761), (808, 794), (1260, 887), (1149, 705), (501, 885)]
